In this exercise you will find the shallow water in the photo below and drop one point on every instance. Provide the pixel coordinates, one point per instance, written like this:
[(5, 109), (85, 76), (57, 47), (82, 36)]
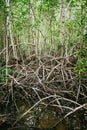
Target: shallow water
[(46, 119)]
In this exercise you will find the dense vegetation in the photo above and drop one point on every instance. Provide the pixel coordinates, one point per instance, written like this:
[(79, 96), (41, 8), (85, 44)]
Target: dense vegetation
[(43, 57)]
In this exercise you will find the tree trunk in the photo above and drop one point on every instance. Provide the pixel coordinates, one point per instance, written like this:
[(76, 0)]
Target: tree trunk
[(29, 30), (9, 36), (34, 30), (63, 28)]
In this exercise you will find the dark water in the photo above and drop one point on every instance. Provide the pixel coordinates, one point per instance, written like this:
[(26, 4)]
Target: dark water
[(46, 120)]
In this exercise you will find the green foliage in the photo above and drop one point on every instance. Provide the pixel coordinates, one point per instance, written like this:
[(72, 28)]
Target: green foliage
[(85, 36), (33, 112), (3, 74), (81, 66), (82, 62), (44, 17)]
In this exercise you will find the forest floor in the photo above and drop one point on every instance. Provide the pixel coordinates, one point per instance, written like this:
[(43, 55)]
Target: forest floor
[(47, 80)]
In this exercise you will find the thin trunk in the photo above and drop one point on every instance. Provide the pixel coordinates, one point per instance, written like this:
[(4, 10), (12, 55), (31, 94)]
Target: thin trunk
[(9, 30), (70, 14), (29, 37), (34, 30), (12, 42), (51, 35), (63, 28), (63, 38), (68, 9), (7, 37)]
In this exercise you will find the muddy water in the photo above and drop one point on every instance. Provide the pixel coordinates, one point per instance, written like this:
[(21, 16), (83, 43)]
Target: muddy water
[(42, 118), (48, 118)]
